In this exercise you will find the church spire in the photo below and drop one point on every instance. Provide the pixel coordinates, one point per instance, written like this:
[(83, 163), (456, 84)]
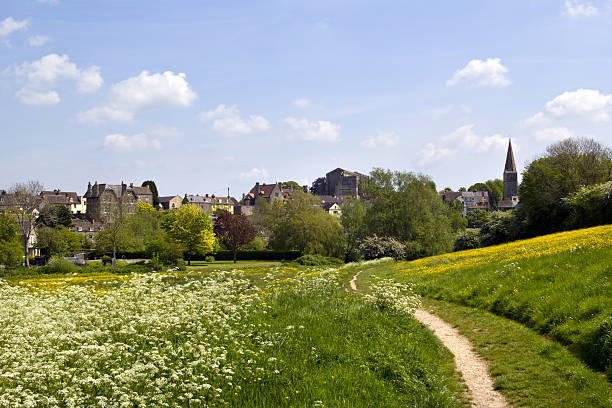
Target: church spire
[(510, 166)]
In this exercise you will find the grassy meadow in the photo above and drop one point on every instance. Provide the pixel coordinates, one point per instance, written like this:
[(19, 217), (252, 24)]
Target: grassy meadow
[(255, 337), (558, 285)]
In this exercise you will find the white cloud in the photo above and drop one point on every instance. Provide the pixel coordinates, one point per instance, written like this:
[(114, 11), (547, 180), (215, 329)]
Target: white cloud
[(553, 134), (437, 113), (432, 152), (302, 103), (382, 139), (576, 9), (466, 137), (254, 174), (537, 119), (9, 25), (44, 74), (228, 121), (30, 97), (583, 102), (481, 73), (141, 92), (104, 114), (123, 143), (38, 40), (146, 90), (317, 131)]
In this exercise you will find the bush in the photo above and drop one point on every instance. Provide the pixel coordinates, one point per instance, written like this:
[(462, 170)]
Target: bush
[(590, 206), (467, 240), (375, 247), (224, 255), (319, 260), (59, 265), (209, 258)]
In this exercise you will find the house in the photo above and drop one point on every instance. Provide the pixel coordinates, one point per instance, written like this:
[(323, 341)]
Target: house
[(104, 199), (269, 192), (342, 183), (210, 204), (75, 203), (170, 202), (510, 198), (86, 228), (470, 200), (333, 209)]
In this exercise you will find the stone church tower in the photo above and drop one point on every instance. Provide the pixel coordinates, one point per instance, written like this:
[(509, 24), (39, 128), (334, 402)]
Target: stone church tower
[(510, 198)]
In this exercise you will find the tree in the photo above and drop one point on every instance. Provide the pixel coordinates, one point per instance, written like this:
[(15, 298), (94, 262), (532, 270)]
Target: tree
[(115, 236), (354, 225), (23, 201), (153, 188), (57, 241), (318, 186), (299, 223), (54, 215), (234, 231), (477, 218), (562, 170), (407, 207), (288, 185), (10, 248), (191, 228)]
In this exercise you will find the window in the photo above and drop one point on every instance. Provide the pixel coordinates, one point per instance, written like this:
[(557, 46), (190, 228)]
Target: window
[(80, 229)]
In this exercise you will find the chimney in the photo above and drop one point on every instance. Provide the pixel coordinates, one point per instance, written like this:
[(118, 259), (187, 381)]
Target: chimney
[(123, 187), (305, 189), (88, 188), (96, 189), (131, 185), (257, 190)]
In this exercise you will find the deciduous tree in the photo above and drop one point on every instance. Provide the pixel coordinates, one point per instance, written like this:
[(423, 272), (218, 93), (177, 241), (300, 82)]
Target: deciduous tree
[(234, 231), (10, 248), (23, 201), (192, 229)]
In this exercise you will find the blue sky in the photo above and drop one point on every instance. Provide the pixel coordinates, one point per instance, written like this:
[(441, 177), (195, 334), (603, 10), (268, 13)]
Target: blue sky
[(204, 95)]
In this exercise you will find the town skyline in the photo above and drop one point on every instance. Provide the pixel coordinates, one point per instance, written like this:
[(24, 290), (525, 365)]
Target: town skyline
[(205, 96)]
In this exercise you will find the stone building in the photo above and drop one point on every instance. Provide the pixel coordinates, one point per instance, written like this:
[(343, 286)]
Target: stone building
[(104, 199), (86, 228), (511, 198), (209, 204), (75, 203), (269, 192), (470, 200), (342, 183), (170, 202)]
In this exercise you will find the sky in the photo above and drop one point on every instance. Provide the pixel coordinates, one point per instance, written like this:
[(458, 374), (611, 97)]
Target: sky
[(204, 95)]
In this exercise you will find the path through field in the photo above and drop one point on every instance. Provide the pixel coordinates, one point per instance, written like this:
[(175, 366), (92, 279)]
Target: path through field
[(472, 368)]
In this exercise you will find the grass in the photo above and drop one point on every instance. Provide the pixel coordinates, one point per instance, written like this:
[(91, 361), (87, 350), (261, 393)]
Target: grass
[(559, 285), (260, 337)]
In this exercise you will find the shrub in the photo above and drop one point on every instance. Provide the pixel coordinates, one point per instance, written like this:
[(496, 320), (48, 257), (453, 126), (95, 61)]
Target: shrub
[(590, 206), (467, 240), (382, 247), (59, 265), (209, 258), (225, 255), (319, 260)]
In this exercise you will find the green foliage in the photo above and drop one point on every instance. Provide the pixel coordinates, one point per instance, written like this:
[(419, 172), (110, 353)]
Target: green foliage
[(375, 247), (209, 258), (563, 170), (57, 241), (319, 260), (256, 244), (406, 206), (191, 228), (477, 218), (469, 239), (252, 255), (167, 251), (287, 185), (590, 206), (500, 227), (299, 223), (144, 208), (354, 224), (54, 215), (153, 188), (10, 247), (58, 264)]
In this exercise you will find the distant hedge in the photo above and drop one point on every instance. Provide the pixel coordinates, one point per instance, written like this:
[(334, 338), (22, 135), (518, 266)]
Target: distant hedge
[(224, 255)]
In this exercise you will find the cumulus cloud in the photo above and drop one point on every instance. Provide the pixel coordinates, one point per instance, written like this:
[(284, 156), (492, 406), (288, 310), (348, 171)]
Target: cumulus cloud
[(553, 134), (123, 143), (9, 25), (141, 92), (38, 40), (254, 174), (228, 121), (382, 139), (316, 131), (432, 152), (576, 9), (302, 103), (589, 103), (465, 136), (481, 73), (42, 75)]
